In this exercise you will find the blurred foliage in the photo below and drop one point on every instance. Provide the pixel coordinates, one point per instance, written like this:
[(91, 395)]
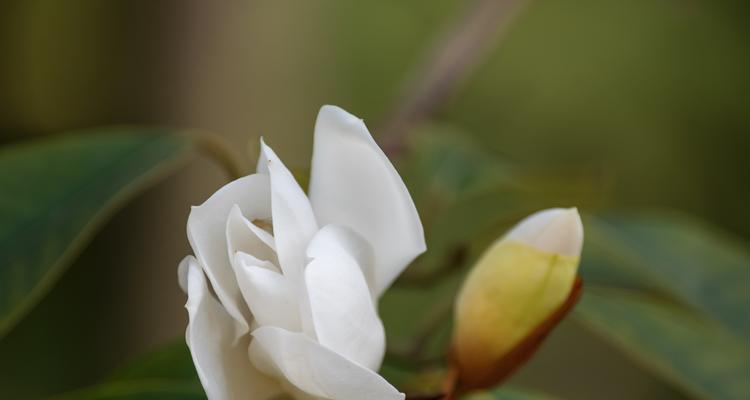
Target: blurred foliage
[(655, 256), (649, 93), (675, 256), (167, 373), (653, 290), (55, 193), (679, 300), (685, 348), (604, 104)]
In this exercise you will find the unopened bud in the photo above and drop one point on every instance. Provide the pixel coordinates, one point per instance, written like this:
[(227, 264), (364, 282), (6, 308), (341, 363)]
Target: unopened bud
[(519, 283)]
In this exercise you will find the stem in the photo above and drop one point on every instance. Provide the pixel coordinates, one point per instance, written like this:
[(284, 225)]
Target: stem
[(453, 57), (218, 150)]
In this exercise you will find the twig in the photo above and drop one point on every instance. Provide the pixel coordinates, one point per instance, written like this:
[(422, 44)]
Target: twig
[(453, 57), (219, 151)]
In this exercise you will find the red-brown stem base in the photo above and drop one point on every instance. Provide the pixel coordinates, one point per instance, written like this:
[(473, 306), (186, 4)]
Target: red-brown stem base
[(455, 384)]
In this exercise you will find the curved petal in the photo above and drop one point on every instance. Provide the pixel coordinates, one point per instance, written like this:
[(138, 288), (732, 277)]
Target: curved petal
[(223, 366), (316, 369), (333, 238), (241, 258), (342, 311), (293, 219), (206, 230), (555, 230), (244, 236), (262, 166), (182, 272), (353, 184), (271, 297)]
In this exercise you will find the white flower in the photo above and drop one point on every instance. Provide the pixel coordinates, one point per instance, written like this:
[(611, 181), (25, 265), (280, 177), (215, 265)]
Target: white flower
[(283, 289)]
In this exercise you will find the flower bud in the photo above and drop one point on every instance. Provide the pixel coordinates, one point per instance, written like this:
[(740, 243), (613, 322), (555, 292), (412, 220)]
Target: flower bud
[(519, 283)]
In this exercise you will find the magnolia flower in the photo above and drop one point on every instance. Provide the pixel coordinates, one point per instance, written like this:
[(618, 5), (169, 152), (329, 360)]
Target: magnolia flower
[(518, 283), (283, 288)]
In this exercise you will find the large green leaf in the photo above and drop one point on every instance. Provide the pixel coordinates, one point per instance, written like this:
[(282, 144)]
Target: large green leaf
[(677, 256), (171, 362), (166, 373), (681, 345), (136, 390), (54, 195)]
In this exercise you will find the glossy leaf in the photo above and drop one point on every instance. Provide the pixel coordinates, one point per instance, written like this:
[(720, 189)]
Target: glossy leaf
[(54, 195), (676, 256), (683, 347)]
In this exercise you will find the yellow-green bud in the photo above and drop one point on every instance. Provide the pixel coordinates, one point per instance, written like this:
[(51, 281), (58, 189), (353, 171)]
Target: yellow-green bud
[(519, 282)]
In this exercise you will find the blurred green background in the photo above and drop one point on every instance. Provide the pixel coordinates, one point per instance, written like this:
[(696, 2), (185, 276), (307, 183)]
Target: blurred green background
[(611, 105)]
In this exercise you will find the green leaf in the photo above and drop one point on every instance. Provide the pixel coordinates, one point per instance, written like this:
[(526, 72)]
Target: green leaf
[(684, 347), (460, 190), (674, 255), (166, 373), (447, 164), (136, 390), (173, 362), (56, 193)]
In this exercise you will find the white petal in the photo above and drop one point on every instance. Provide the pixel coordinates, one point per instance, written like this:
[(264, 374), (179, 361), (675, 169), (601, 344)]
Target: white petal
[(207, 235), (271, 297), (555, 230), (332, 238), (262, 166), (223, 365), (354, 184), (245, 236), (316, 369), (242, 258), (182, 272), (293, 220), (342, 312)]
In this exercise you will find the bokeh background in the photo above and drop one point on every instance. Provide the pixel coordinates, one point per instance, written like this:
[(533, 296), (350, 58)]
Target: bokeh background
[(643, 104)]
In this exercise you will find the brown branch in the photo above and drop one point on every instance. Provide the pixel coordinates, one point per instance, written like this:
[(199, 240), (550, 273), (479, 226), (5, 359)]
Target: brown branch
[(457, 52)]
